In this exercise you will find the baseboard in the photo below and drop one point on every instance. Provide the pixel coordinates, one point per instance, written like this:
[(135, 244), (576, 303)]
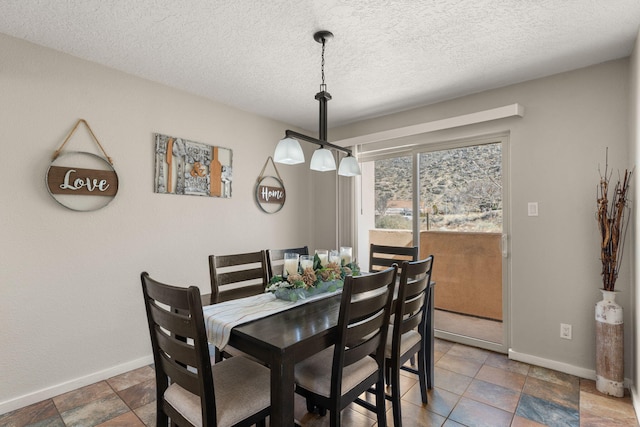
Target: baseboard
[(635, 399), (553, 364), (55, 390)]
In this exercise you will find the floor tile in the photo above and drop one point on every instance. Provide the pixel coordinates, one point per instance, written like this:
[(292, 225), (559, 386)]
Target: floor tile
[(128, 419), (475, 414), (416, 416), (459, 364), (501, 377), (519, 421), (140, 394), (472, 353), (503, 362), (612, 409), (500, 397), (440, 401), (82, 396), (451, 381), (147, 414), (555, 377), (95, 412), (32, 414), (548, 413), (563, 395), (131, 378)]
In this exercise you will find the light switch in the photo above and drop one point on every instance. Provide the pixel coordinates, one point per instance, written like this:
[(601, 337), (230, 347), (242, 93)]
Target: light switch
[(533, 208)]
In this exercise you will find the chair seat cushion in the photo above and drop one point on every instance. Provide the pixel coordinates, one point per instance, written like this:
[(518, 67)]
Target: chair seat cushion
[(314, 373), (408, 340), (242, 388)]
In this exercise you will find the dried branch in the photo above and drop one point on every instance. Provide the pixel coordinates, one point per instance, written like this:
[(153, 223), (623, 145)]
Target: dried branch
[(612, 223)]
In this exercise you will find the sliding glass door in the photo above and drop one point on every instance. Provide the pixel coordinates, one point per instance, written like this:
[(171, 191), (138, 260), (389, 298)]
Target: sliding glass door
[(448, 199)]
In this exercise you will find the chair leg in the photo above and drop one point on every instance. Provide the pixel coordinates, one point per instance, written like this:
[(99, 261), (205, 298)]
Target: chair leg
[(423, 375), (218, 355), (161, 418), (387, 373), (381, 408), (395, 396), (334, 416), (262, 423)]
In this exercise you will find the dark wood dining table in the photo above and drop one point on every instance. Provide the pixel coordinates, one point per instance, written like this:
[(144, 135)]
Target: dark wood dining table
[(283, 339)]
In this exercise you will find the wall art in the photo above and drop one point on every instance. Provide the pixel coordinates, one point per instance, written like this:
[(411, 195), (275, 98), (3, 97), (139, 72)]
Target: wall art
[(270, 192), (77, 173), (191, 168)]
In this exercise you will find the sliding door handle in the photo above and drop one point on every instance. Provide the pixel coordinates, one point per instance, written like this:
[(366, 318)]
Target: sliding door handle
[(505, 249)]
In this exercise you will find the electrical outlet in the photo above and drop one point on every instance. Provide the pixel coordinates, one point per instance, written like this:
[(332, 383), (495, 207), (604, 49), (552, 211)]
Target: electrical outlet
[(565, 331)]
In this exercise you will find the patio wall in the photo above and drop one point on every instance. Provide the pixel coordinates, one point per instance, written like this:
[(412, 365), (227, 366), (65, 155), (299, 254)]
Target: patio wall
[(467, 268)]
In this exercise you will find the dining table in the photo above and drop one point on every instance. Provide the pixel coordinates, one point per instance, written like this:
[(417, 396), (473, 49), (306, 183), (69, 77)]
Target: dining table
[(289, 336)]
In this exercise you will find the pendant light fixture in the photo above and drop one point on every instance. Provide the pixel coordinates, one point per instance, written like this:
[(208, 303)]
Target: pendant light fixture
[(288, 150)]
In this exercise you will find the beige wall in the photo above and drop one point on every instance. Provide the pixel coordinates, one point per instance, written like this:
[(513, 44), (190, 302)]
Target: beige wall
[(634, 131), (554, 153), (71, 309)]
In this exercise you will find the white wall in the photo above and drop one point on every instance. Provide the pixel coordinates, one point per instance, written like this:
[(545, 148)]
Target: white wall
[(555, 151), (71, 309)]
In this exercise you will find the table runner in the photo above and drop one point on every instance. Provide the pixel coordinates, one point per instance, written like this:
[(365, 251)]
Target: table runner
[(222, 317)]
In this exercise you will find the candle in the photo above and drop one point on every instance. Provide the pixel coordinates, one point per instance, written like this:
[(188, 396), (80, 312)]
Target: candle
[(290, 263), (345, 254), (323, 254), (334, 257), (306, 261)]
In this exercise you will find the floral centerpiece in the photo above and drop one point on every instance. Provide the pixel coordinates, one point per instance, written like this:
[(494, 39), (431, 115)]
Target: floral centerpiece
[(312, 281)]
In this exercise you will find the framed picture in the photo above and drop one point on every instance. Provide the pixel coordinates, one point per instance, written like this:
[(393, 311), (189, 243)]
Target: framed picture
[(192, 168)]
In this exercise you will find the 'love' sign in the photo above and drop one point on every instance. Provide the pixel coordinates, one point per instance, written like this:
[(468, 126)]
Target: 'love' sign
[(82, 182)]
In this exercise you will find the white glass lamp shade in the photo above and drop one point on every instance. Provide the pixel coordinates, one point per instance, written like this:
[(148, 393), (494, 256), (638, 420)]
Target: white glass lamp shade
[(322, 160), (349, 167), (289, 152)]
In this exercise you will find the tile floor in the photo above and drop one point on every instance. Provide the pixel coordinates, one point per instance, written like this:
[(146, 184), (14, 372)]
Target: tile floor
[(473, 387)]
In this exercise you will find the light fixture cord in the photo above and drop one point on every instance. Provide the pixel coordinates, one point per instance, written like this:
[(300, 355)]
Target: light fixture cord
[(323, 86)]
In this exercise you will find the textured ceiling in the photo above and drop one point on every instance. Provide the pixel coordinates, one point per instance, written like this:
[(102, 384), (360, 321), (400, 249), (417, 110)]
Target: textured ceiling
[(386, 56)]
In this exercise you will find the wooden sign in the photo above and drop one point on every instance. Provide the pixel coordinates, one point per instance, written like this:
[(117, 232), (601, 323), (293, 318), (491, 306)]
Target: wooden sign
[(82, 182), (74, 173), (77, 173), (267, 194), (270, 194)]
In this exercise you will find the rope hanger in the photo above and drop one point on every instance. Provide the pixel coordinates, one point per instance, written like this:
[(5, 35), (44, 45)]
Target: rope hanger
[(57, 152), (265, 166)]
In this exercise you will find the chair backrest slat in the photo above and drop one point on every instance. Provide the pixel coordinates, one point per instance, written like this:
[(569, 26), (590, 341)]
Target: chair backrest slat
[(237, 276), (384, 256)]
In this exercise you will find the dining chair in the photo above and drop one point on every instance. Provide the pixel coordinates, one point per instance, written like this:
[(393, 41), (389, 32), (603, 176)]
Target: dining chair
[(236, 276), (383, 256), (189, 390), (407, 334), (337, 376), (275, 259)]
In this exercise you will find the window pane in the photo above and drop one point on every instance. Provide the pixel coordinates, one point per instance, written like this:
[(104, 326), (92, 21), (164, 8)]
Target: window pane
[(393, 193), (461, 189)]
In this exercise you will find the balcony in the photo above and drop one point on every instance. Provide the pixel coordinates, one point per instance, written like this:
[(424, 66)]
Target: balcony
[(468, 275)]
